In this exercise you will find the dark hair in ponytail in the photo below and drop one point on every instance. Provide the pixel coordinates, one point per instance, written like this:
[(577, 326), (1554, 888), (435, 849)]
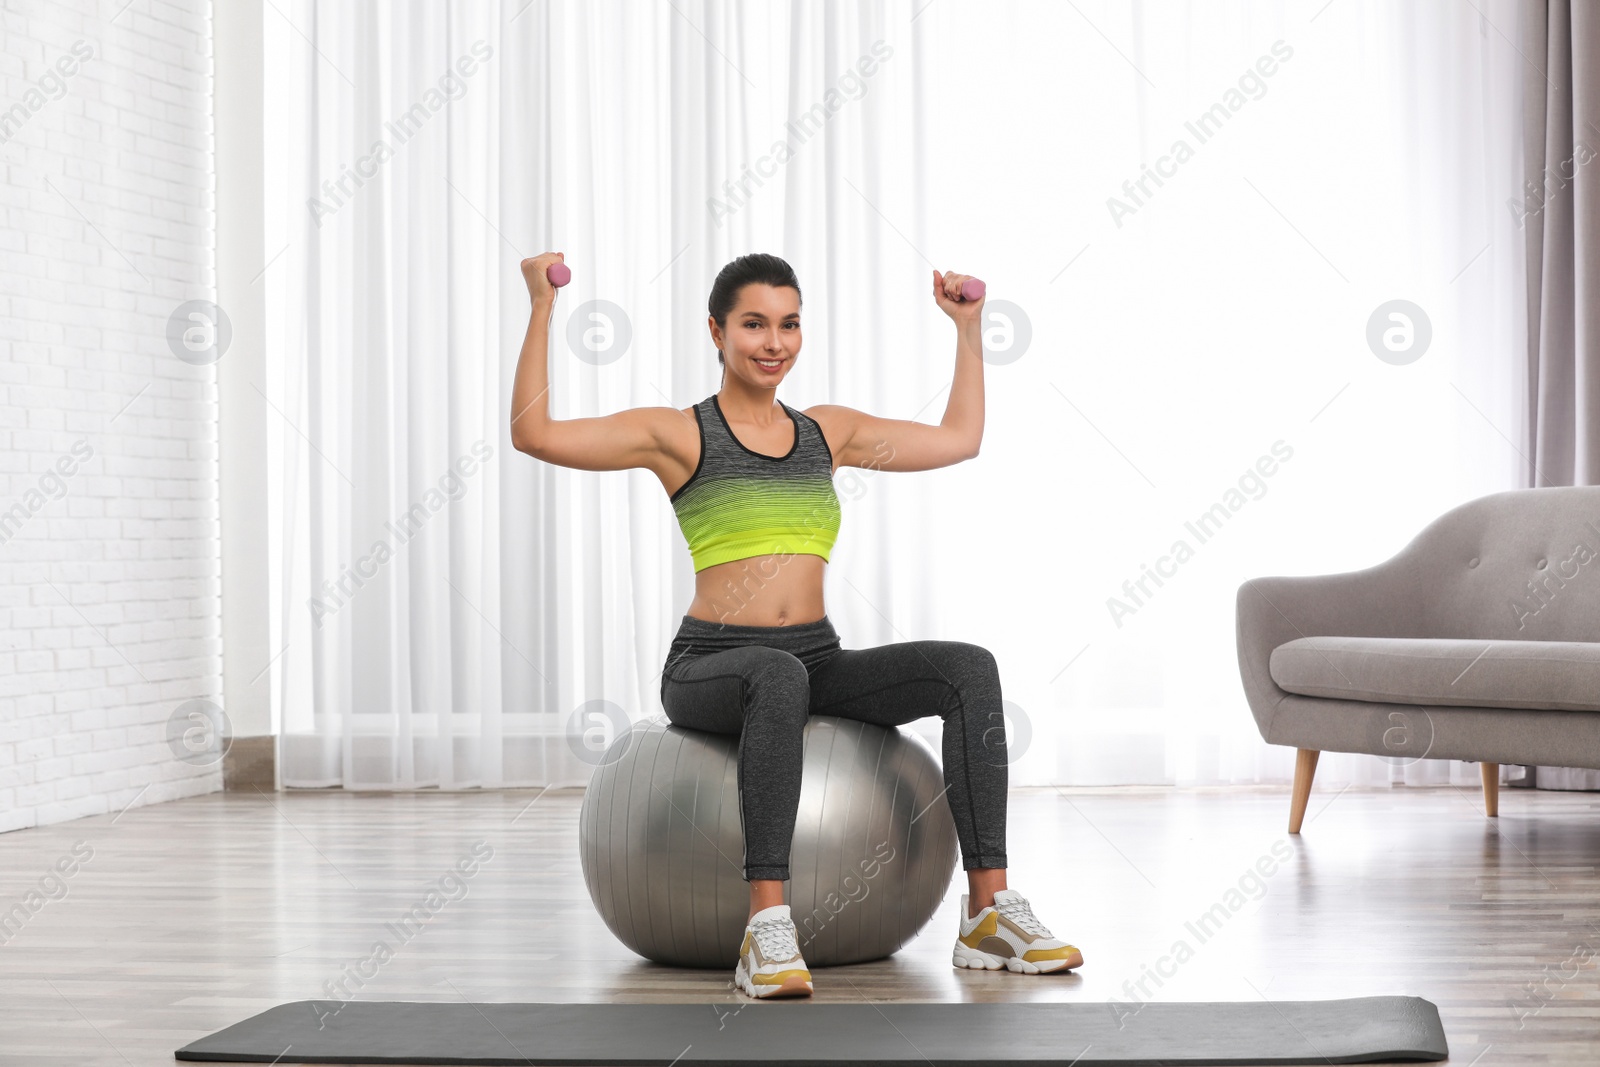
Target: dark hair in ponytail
[(757, 268)]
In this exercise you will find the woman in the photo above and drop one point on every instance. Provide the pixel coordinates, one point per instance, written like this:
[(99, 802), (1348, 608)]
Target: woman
[(751, 482)]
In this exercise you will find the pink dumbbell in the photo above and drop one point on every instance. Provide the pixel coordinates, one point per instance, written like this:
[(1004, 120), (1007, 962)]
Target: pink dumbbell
[(971, 289), (560, 274)]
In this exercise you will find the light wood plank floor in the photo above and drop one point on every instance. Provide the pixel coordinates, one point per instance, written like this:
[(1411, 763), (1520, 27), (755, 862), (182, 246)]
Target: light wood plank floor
[(189, 916)]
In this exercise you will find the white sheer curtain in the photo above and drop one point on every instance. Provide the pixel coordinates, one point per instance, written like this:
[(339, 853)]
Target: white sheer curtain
[(1144, 355)]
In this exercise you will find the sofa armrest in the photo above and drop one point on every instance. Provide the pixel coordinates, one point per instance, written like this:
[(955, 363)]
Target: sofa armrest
[(1380, 601)]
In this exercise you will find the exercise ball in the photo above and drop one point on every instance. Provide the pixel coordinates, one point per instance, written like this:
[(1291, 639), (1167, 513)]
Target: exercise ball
[(662, 843)]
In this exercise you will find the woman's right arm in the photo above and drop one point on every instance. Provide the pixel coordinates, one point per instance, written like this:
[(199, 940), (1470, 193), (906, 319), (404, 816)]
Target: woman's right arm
[(630, 438)]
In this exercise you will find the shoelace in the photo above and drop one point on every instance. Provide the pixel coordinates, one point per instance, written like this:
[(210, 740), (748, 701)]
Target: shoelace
[(1020, 913), (776, 939)]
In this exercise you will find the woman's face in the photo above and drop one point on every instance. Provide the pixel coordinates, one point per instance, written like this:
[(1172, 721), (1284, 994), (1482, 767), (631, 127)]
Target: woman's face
[(763, 335)]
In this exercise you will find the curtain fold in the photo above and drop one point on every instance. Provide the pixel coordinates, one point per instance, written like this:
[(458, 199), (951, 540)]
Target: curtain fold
[(1186, 221), (1561, 209)]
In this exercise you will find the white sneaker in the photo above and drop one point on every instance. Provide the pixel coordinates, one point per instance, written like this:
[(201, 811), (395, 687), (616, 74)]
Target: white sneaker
[(769, 959), (1008, 935)]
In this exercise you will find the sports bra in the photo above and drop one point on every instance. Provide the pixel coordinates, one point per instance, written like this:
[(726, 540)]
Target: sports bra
[(740, 503)]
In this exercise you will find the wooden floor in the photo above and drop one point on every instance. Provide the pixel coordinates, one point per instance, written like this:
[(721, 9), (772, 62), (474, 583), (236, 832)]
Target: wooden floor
[(182, 918)]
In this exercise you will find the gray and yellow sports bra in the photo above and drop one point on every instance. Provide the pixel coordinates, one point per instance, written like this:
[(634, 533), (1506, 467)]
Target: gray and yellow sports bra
[(740, 503)]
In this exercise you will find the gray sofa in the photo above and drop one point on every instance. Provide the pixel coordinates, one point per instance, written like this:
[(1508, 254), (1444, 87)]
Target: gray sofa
[(1480, 640)]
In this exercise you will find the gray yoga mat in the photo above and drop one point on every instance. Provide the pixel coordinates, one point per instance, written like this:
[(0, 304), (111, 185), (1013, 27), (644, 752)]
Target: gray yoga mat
[(793, 1033)]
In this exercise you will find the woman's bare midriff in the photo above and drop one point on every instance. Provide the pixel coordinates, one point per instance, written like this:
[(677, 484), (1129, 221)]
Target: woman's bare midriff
[(783, 589), (775, 590)]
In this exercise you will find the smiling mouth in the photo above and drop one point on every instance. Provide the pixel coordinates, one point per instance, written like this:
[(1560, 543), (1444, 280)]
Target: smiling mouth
[(769, 364)]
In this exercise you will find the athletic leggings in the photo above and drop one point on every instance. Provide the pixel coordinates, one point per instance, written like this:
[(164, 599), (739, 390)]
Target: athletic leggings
[(762, 682)]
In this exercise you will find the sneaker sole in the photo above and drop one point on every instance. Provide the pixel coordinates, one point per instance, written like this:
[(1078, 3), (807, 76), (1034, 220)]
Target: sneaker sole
[(978, 960), (793, 986)]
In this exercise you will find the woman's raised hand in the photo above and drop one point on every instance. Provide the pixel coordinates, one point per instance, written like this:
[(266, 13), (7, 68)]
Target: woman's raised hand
[(535, 272), (947, 292)]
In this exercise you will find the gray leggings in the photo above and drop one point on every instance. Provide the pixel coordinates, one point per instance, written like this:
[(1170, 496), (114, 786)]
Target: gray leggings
[(762, 682)]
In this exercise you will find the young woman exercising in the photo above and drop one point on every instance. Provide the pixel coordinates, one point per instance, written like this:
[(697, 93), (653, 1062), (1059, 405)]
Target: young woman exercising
[(751, 482)]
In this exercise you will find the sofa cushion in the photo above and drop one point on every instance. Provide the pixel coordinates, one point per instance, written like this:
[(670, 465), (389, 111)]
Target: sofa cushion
[(1544, 675)]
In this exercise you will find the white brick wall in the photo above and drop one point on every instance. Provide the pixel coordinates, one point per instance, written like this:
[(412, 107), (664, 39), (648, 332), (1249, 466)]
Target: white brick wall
[(109, 547)]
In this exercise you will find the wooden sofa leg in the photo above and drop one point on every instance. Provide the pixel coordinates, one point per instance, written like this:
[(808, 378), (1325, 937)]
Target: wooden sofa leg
[(1491, 788), (1305, 768)]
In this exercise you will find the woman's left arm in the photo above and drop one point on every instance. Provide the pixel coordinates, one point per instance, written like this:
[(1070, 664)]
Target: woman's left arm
[(963, 412), (904, 445)]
